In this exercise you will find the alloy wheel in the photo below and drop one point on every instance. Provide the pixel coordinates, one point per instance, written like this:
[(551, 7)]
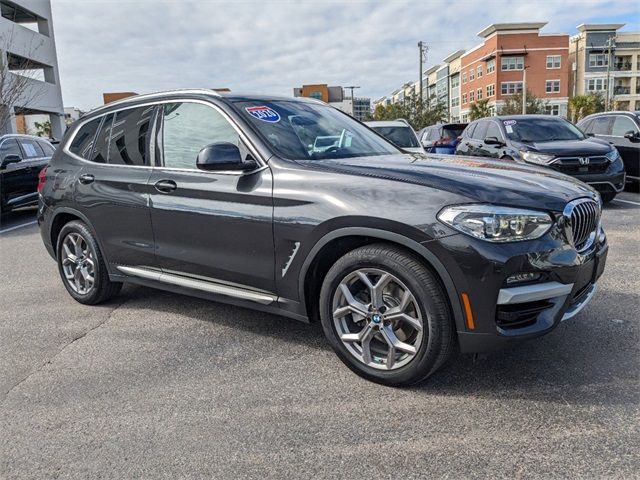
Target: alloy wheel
[(78, 263), (378, 319)]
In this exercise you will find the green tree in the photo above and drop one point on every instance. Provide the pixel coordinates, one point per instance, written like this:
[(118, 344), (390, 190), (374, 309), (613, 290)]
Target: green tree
[(410, 110), (480, 109), (582, 105), (43, 129), (513, 105)]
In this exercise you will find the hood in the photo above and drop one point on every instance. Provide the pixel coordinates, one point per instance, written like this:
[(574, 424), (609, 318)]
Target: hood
[(413, 149), (565, 148), (478, 179)]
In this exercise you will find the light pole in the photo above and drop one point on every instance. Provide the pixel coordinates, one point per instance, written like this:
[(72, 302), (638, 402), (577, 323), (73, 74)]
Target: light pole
[(423, 57), (524, 89), (353, 104), (607, 100)]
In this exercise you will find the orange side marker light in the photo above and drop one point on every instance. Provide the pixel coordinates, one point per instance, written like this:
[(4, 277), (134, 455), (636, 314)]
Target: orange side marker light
[(467, 311)]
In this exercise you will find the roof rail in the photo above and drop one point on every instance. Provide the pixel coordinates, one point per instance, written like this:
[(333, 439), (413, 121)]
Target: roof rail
[(145, 96)]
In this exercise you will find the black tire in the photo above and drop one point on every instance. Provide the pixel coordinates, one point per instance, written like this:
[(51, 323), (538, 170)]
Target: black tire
[(608, 196), (103, 289), (508, 158), (438, 331)]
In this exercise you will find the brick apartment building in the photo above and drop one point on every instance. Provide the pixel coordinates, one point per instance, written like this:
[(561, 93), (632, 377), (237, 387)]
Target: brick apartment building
[(495, 69)]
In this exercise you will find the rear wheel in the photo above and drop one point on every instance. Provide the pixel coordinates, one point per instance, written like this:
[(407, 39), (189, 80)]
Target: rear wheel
[(81, 265), (386, 315)]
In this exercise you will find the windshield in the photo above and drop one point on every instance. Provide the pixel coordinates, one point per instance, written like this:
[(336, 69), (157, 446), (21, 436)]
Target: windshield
[(530, 130), (300, 130), (403, 137)]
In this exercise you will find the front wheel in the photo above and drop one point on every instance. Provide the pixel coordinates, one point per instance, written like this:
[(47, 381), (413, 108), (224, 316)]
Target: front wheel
[(607, 197), (386, 316)]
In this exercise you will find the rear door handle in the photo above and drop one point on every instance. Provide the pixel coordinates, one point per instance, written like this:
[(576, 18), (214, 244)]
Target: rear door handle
[(86, 178), (166, 186)]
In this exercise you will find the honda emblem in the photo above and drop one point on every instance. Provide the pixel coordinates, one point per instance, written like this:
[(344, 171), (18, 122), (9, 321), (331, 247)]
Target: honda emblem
[(584, 160)]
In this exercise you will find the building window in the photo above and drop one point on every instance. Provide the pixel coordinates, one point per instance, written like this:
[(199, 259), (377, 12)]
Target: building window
[(472, 96), (317, 95), (553, 61), (455, 81), (552, 109), (464, 98), (552, 86), (596, 84), (512, 63), (479, 71), (464, 77), (491, 90), (509, 88), (455, 101), (479, 94), (491, 65), (471, 74), (598, 60)]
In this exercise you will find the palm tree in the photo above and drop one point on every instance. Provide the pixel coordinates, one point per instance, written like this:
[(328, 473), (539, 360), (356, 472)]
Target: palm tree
[(480, 109)]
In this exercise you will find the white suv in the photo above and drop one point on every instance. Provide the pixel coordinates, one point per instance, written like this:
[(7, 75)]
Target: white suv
[(398, 132)]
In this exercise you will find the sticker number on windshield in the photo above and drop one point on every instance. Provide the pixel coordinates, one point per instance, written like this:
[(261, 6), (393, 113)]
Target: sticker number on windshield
[(264, 113)]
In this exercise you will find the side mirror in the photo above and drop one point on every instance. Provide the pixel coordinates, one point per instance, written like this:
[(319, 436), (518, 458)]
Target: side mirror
[(223, 156), (12, 158), (492, 141), (631, 135)]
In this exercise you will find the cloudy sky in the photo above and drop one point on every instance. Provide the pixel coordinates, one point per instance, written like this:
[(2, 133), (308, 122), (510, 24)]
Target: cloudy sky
[(272, 46)]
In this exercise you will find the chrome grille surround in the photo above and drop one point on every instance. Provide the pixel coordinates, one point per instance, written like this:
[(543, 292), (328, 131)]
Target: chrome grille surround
[(582, 218)]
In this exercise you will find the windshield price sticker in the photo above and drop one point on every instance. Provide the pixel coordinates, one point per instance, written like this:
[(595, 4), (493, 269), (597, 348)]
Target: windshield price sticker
[(264, 113), (509, 122)]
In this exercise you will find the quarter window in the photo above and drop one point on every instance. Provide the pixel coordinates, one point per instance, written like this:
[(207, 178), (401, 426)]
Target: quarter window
[(188, 128), (512, 63), (553, 61), (31, 148), (130, 137), (84, 138), (101, 148)]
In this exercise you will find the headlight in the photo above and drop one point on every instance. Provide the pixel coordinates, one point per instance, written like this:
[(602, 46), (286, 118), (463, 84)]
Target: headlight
[(537, 158), (495, 223), (613, 155)]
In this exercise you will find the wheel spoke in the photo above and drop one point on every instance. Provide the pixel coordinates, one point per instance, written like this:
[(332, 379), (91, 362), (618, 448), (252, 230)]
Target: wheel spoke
[(353, 304), (413, 322), (394, 342)]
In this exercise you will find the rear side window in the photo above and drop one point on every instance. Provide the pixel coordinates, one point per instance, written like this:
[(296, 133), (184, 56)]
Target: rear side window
[(47, 148), (83, 140), (101, 149), (31, 148), (129, 139), (600, 126)]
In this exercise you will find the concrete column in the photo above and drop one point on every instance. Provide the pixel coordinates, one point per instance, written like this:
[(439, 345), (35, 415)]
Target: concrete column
[(57, 125)]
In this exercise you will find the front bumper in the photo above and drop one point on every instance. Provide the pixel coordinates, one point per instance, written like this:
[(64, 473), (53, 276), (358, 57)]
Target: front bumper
[(505, 314)]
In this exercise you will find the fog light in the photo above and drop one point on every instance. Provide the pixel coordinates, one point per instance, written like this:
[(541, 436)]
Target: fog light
[(523, 278)]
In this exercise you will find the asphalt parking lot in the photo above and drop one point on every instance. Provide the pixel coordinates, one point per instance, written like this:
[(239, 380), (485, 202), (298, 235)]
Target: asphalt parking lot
[(158, 385)]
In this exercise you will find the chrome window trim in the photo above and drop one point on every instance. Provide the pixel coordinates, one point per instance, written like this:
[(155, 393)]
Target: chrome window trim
[(261, 162)]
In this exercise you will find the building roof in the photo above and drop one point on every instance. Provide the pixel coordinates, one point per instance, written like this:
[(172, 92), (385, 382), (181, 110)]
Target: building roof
[(453, 56), (599, 27), (505, 27)]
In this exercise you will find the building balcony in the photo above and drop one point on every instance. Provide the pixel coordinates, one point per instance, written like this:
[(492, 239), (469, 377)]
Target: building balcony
[(622, 90)]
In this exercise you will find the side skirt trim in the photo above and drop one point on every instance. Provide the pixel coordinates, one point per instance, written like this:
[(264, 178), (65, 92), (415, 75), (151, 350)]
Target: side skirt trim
[(203, 285)]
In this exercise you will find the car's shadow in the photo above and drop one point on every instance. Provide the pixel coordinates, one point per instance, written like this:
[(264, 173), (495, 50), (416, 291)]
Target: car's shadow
[(588, 361)]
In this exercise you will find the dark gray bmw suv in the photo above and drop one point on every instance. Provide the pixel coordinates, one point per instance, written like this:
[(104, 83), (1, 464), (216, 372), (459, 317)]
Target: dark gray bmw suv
[(403, 258)]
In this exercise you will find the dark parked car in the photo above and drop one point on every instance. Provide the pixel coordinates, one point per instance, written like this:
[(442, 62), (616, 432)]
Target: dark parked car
[(442, 138), (550, 142), (622, 130), (22, 157), (403, 258)]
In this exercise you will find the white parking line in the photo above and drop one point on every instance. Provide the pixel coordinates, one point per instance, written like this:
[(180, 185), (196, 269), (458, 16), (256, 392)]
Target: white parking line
[(18, 226), (625, 201)]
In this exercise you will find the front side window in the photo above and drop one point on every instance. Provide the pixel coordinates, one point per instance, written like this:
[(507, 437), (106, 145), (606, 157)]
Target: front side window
[(9, 147), (539, 130), (31, 148), (512, 63), (622, 125), (479, 133), (130, 137), (493, 131), (303, 130), (189, 127), (83, 140)]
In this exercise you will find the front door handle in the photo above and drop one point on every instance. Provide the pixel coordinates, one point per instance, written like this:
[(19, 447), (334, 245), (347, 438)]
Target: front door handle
[(86, 178), (165, 186)]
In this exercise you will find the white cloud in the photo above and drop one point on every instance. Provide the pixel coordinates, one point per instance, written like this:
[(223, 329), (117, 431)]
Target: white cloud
[(273, 46)]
